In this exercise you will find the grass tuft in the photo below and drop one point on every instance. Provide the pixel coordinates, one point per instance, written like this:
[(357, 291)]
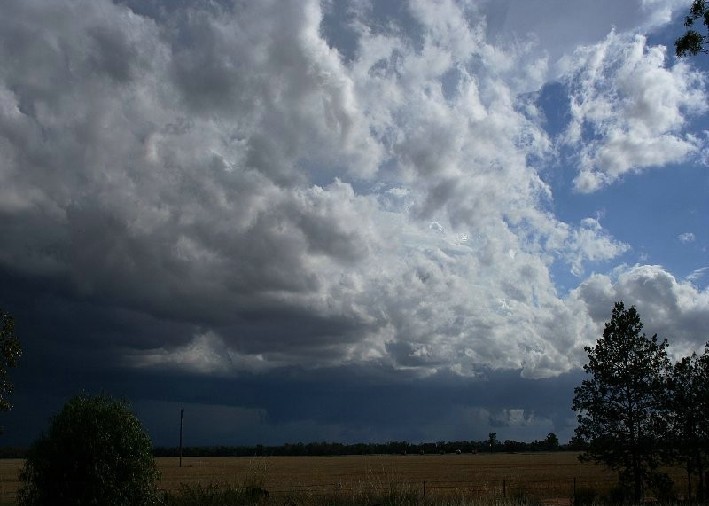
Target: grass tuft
[(216, 494)]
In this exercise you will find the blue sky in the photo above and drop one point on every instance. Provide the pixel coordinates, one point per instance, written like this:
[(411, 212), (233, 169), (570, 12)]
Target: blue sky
[(346, 221)]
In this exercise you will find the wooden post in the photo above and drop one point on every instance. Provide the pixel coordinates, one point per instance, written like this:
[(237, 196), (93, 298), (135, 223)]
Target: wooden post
[(689, 485), (424, 489), (504, 488), (574, 496), (182, 416)]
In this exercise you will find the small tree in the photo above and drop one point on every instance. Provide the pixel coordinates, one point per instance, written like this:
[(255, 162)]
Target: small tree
[(620, 408), (688, 401), (95, 452), (10, 352), (551, 443), (492, 441)]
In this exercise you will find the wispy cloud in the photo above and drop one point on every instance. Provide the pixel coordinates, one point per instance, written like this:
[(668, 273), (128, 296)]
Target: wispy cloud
[(698, 274), (686, 237)]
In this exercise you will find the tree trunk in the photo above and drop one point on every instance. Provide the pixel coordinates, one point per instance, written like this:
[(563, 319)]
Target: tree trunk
[(638, 483), (701, 486)]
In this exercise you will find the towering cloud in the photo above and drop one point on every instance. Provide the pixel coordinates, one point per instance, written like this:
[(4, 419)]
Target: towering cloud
[(232, 188)]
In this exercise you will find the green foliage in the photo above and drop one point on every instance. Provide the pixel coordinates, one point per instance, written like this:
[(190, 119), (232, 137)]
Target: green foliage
[(688, 401), (693, 42), (621, 407), (551, 443), (96, 452), (492, 441), (321, 449), (10, 352)]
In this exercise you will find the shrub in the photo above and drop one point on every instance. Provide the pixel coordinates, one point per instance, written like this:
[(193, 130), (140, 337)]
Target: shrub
[(95, 453), (585, 496), (618, 494), (662, 487)]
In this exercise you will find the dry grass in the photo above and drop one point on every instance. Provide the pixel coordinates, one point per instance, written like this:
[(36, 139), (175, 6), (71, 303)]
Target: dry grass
[(9, 482), (542, 476), (539, 474)]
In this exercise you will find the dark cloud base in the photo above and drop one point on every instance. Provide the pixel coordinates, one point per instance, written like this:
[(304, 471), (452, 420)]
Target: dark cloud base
[(349, 404), (278, 407), (346, 404)]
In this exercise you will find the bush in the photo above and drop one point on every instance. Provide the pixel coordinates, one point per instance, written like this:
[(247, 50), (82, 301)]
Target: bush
[(95, 453), (585, 496), (618, 494), (662, 487)]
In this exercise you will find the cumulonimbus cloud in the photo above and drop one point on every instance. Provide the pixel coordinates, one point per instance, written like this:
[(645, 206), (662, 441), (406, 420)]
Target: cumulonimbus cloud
[(224, 169)]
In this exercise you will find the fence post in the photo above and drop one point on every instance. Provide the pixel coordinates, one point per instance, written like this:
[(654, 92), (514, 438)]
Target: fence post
[(574, 496), (689, 486), (424, 489), (182, 417), (504, 488)]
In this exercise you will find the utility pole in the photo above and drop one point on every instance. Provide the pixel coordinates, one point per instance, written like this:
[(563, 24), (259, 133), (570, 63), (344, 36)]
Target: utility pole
[(182, 416)]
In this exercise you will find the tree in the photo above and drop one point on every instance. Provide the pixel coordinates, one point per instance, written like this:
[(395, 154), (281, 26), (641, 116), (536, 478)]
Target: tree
[(10, 352), (688, 401), (551, 443), (492, 441), (693, 42), (96, 452), (620, 409)]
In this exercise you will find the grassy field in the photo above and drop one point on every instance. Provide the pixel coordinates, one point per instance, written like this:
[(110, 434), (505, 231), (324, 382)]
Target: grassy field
[(9, 482), (537, 475), (546, 476)]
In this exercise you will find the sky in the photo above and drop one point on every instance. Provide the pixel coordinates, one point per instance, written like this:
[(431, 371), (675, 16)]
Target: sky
[(352, 221)]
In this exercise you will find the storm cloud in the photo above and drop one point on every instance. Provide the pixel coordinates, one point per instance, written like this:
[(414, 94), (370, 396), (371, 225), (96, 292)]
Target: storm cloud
[(272, 197)]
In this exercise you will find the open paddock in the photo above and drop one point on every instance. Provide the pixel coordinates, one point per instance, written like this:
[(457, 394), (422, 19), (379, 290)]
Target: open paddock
[(540, 475)]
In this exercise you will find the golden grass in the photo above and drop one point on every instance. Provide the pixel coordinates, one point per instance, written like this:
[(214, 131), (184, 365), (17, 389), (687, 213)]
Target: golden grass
[(9, 480), (539, 475)]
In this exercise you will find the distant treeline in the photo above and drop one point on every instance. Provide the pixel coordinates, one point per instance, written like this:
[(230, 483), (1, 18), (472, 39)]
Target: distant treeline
[(322, 449), (12, 452)]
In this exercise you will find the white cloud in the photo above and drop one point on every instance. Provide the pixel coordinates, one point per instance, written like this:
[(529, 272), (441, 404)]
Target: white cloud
[(660, 12), (629, 108), (558, 26), (588, 243), (206, 353), (675, 310), (697, 274), (686, 237), (223, 167)]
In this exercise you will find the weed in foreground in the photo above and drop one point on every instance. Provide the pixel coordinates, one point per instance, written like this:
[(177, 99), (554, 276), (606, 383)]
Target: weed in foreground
[(216, 494), (585, 496)]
